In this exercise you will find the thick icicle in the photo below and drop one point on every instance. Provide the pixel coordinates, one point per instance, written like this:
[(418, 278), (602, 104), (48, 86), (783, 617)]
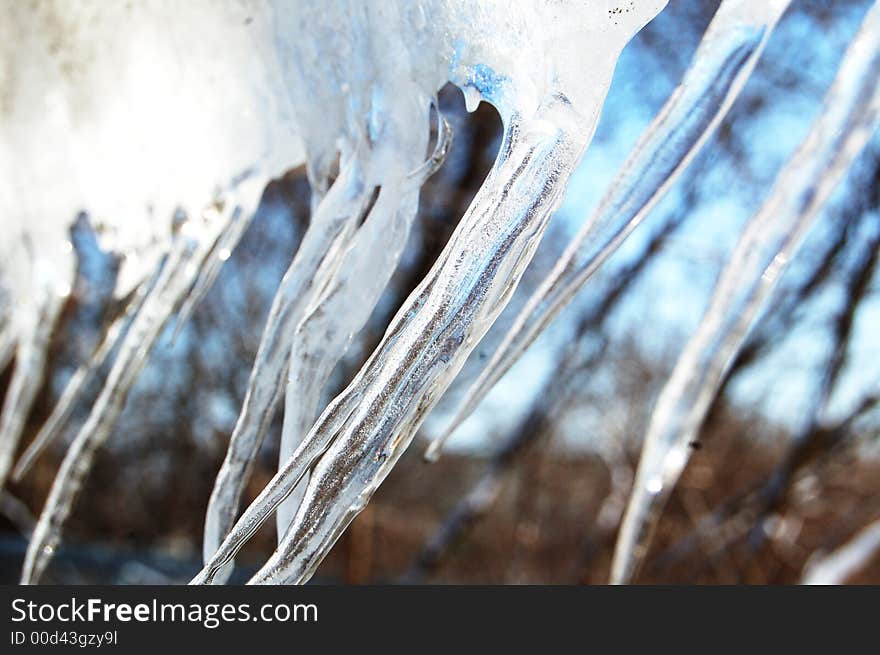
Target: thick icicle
[(837, 567), (324, 335), (720, 68), (193, 239), (81, 378), (850, 116), (316, 260), (373, 421)]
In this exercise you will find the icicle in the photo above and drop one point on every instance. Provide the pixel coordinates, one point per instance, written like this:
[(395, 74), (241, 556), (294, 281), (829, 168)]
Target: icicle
[(359, 437), (80, 380), (373, 421), (850, 116), (837, 567), (193, 239), (121, 114), (720, 68), (27, 376), (324, 335), (316, 261), (336, 413)]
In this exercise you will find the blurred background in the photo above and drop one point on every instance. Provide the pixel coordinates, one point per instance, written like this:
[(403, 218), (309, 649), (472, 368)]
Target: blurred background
[(532, 487)]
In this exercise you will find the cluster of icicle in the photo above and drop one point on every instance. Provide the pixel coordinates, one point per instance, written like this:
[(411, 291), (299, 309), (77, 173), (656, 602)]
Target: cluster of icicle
[(116, 110), (720, 68), (521, 58), (836, 567)]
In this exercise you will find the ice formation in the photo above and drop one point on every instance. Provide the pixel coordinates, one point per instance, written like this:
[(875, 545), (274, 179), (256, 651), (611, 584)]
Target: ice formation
[(115, 109), (720, 68), (523, 58), (849, 118), (80, 379), (177, 275), (325, 298), (112, 109), (38, 287)]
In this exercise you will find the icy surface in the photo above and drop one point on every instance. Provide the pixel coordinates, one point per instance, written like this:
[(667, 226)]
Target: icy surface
[(721, 66), (850, 116)]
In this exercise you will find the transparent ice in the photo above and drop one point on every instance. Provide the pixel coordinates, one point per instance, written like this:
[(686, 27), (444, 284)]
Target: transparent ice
[(121, 118)]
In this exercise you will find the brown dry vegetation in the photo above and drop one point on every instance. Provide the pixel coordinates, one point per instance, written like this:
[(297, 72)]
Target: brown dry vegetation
[(544, 526)]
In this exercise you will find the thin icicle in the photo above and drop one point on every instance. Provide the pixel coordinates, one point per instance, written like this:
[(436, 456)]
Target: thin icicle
[(192, 240), (324, 335), (82, 377), (837, 567), (316, 260), (720, 68), (369, 425), (226, 242), (30, 363), (850, 116)]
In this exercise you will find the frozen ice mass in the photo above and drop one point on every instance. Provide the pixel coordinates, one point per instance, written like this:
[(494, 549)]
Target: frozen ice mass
[(166, 142)]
